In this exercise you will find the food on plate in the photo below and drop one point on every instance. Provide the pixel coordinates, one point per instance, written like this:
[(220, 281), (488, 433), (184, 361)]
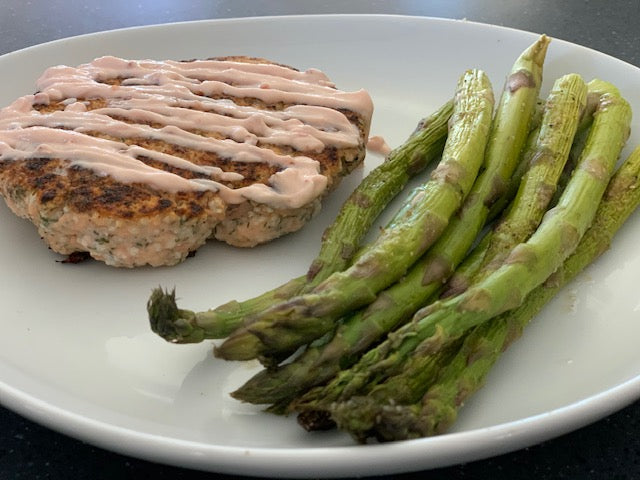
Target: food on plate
[(362, 329), (339, 242), (547, 156), (281, 329), (436, 327), (460, 378), (393, 354), (140, 161)]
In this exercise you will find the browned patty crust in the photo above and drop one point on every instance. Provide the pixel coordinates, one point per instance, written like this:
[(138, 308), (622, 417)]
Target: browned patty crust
[(78, 207)]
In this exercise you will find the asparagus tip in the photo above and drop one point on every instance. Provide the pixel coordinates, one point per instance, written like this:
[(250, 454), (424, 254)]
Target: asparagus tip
[(167, 320), (162, 310)]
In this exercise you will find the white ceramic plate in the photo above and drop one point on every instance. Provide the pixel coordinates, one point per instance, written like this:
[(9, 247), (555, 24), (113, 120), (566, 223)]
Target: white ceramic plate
[(76, 353)]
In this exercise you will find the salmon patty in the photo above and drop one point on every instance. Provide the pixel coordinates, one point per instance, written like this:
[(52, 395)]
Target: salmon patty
[(140, 162)]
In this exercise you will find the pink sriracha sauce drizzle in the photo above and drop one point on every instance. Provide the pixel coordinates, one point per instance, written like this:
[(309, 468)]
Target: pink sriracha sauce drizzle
[(177, 96), (377, 144)]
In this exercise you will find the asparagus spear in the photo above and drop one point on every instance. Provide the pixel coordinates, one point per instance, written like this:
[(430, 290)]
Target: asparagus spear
[(462, 277), (528, 265), (595, 89), (521, 215), (339, 241), (342, 239), (547, 160), (562, 103), (279, 330), (467, 371), (397, 303)]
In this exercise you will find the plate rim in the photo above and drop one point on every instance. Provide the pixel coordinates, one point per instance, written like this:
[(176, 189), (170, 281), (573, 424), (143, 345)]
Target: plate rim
[(307, 17), (268, 462)]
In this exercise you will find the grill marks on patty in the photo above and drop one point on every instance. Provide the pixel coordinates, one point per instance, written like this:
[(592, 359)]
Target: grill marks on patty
[(132, 223)]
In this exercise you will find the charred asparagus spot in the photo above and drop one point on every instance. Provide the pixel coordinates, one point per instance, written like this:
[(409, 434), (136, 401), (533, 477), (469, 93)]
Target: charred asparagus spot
[(342, 239), (358, 331), (467, 371), (528, 265), (411, 232), (314, 421)]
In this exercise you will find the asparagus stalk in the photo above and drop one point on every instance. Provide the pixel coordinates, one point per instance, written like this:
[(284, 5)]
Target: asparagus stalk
[(564, 108), (595, 89), (545, 159), (528, 265), (281, 329), (397, 303), (462, 277), (562, 103), (481, 258), (467, 371), (340, 241)]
